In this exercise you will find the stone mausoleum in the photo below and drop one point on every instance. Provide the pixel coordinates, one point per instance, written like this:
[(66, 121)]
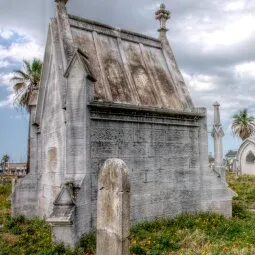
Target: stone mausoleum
[(245, 157), (111, 93)]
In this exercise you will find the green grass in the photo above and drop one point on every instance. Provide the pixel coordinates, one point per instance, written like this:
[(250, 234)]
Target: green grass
[(5, 204), (201, 234), (244, 186)]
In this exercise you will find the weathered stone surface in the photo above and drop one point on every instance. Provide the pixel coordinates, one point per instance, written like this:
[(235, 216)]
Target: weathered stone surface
[(217, 134), (113, 209)]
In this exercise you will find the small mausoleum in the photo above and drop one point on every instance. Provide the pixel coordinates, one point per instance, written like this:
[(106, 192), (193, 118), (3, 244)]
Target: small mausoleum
[(246, 157), (110, 93)]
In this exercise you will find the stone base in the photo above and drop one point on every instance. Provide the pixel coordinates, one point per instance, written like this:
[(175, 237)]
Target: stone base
[(25, 197)]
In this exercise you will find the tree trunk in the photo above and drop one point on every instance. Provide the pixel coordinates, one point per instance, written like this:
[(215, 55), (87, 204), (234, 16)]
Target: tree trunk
[(28, 144)]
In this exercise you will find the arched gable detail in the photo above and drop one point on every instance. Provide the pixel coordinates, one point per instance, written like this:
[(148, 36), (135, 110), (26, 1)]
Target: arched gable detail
[(242, 148), (250, 158)]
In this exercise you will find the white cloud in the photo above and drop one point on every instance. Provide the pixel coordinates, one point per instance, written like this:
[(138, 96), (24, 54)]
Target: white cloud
[(200, 82), (229, 32), (245, 70), (234, 6), (8, 102), (4, 63), (20, 51), (5, 80), (6, 33), (13, 56)]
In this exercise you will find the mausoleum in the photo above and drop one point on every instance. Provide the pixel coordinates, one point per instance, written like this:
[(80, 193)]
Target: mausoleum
[(246, 157), (110, 93)]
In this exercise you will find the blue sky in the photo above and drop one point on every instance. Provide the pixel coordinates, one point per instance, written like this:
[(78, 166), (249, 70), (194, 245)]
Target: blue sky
[(213, 42)]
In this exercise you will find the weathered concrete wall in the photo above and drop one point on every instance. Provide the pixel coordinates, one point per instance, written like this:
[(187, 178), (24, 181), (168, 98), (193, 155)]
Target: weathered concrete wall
[(52, 160), (25, 195), (167, 158)]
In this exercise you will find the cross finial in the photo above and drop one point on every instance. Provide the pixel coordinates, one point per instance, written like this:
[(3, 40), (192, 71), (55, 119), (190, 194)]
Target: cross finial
[(162, 15), (62, 1), (216, 104)]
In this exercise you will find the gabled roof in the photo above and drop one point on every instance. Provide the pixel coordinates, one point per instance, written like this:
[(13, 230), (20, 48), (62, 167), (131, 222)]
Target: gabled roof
[(129, 67), (84, 62), (246, 142)]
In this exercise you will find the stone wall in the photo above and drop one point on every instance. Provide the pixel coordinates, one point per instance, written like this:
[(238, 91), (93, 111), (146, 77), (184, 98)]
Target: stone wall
[(163, 153)]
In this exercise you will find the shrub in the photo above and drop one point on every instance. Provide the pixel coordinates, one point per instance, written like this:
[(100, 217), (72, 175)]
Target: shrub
[(88, 242)]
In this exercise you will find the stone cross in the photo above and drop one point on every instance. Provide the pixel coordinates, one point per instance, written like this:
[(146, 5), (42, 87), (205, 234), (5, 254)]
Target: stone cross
[(162, 15), (62, 1), (113, 209), (217, 134)]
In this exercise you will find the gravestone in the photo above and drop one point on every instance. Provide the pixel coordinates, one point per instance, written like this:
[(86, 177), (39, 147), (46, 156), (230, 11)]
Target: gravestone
[(113, 209)]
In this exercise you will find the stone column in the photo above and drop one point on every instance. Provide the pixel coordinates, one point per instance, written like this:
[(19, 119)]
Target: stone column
[(66, 39), (217, 134), (13, 184), (113, 209), (162, 15)]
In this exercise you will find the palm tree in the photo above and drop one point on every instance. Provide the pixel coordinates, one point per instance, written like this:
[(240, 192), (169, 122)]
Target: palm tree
[(4, 161), (243, 124), (26, 81)]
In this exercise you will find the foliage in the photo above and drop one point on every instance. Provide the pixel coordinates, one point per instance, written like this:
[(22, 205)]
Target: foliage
[(88, 242), (204, 233), (5, 204), (26, 81), (201, 234), (243, 125), (5, 159), (22, 236)]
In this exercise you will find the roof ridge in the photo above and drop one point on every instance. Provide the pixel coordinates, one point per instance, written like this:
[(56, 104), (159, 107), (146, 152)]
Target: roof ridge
[(77, 18)]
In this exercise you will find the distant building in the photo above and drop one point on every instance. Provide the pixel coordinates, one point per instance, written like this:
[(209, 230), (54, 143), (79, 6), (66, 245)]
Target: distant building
[(230, 160), (231, 155), (17, 169)]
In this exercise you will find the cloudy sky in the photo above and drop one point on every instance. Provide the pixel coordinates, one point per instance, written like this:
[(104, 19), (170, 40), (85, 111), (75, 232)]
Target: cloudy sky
[(213, 41)]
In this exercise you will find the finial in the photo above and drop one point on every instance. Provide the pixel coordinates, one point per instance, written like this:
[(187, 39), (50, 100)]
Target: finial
[(162, 15), (216, 104), (162, 6), (62, 1)]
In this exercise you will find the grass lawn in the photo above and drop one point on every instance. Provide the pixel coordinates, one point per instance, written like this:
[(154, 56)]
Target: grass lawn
[(201, 234)]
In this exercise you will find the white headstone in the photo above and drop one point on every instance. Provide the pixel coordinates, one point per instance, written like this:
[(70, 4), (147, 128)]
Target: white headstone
[(113, 209)]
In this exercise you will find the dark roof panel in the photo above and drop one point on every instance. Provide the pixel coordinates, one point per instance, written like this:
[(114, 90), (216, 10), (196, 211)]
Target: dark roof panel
[(130, 68)]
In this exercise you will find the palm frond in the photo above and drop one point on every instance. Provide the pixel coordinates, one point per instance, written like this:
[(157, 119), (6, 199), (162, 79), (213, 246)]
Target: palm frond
[(21, 74), (27, 79), (19, 86), (243, 125)]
